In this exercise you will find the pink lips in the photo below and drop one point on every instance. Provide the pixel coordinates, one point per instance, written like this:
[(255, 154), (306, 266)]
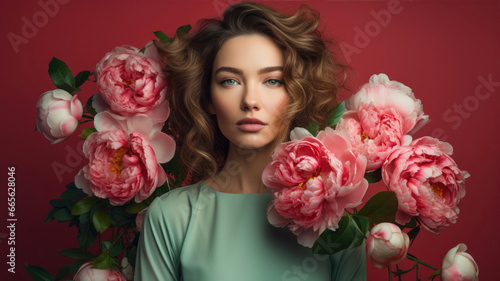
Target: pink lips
[(250, 124)]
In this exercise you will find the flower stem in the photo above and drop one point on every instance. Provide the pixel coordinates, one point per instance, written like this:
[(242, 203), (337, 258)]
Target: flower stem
[(116, 240), (390, 273), (413, 258), (416, 271)]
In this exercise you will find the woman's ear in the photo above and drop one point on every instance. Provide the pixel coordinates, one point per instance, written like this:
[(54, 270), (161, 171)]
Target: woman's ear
[(211, 109)]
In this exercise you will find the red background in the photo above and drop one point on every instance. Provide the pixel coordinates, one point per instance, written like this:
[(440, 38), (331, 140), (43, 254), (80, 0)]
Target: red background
[(438, 48)]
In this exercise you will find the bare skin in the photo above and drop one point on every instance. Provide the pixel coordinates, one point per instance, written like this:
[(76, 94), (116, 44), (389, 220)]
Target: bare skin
[(248, 98)]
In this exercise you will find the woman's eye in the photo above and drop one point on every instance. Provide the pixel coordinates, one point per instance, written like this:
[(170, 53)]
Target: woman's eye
[(273, 82), (229, 82)]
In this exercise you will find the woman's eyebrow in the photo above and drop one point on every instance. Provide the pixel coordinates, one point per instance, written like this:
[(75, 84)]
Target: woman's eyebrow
[(270, 69), (240, 72), (229, 69)]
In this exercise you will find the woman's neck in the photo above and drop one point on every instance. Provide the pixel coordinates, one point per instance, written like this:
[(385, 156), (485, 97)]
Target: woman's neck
[(242, 171)]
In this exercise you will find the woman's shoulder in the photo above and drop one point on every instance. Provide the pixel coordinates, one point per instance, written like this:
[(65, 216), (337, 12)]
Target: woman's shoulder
[(180, 200)]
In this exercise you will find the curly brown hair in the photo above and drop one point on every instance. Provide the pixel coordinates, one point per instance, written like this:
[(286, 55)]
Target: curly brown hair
[(309, 76)]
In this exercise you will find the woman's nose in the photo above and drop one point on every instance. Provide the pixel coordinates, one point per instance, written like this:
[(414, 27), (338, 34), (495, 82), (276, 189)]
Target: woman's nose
[(251, 99)]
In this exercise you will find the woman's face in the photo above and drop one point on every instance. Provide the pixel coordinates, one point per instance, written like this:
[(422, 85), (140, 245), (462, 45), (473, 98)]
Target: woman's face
[(248, 95)]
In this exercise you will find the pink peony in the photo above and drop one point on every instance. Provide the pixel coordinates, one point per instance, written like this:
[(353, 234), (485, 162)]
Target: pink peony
[(312, 180), (58, 113), (427, 182), (386, 245), (380, 116), (129, 81), (124, 155), (88, 273), (459, 265)]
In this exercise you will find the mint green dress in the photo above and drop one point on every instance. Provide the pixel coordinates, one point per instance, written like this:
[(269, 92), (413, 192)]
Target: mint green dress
[(195, 233)]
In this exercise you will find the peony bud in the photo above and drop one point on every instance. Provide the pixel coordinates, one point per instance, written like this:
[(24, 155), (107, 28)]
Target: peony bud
[(128, 271), (459, 265), (58, 113), (88, 273), (386, 245)]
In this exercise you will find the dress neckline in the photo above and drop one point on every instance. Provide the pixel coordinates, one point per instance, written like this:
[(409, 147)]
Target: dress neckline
[(205, 185)]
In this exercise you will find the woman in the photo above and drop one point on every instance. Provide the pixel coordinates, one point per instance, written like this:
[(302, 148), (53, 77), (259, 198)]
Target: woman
[(236, 88)]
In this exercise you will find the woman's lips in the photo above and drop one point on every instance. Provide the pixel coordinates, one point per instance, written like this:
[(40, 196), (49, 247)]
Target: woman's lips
[(250, 124)]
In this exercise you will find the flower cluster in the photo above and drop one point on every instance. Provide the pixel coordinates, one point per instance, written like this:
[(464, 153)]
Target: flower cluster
[(125, 148), (313, 180)]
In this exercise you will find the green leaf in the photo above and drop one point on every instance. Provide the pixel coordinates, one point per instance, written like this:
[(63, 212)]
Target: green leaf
[(313, 128), (363, 223), (71, 185), (61, 75), (434, 274), (38, 273), (75, 91), (50, 215), (84, 205), (162, 36), (73, 194), (412, 234), (335, 114), (183, 29), (70, 268), (381, 207), (73, 221), (105, 245), (103, 261), (84, 218), (77, 253), (120, 218), (62, 203), (117, 248), (87, 132), (63, 271), (81, 78), (348, 235), (375, 176), (132, 251), (175, 169), (86, 235), (101, 219), (411, 224), (88, 106), (63, 214), (135, 208)]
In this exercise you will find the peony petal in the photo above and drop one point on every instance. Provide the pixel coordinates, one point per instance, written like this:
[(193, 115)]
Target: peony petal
[(61, 94), (68, 126), (299, 133), (76, 108), (404, 104), (108, 121), (163, 146), (99, 104), (307, 237), (82, 183), (274, 217)]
